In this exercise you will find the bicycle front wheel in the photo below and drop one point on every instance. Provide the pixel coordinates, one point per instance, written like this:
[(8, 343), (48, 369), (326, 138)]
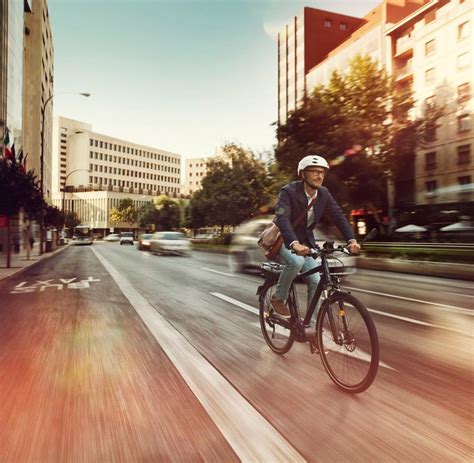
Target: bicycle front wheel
[(348, 342), (278, 337)]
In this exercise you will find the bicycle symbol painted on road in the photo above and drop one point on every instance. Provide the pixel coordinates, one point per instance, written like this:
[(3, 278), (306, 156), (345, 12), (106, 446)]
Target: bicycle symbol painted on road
[(40, 285)]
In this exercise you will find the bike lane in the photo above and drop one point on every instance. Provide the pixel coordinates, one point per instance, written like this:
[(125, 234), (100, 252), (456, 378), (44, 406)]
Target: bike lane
[(83, 379)]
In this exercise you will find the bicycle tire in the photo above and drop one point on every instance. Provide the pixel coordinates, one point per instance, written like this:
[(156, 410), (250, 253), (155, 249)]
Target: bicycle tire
[(279, 339), (353, 361)]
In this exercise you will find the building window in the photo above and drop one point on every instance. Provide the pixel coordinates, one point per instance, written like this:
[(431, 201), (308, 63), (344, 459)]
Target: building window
[(430, 160), (464, 154), (327, 23), (464, 92), (90, 179), (101, 144), (431, 186), (91, 154), (464, 123), (91, 142), (464, 30), (430, 133), (463, 60), (429, 75), (429, 47), (343, 26)]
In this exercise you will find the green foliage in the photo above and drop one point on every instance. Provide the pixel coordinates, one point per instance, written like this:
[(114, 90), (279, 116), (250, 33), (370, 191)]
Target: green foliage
[(148, 216), (362, 108), (71, 220), (19, 190), (169, 213), (125, 212), (233, 190), (54, 217)]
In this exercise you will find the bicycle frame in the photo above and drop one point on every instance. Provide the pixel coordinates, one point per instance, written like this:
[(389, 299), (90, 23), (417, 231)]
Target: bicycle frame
[(326, 279)]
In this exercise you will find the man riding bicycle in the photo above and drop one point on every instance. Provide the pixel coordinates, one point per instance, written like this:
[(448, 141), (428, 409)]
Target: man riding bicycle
[(294, 198)]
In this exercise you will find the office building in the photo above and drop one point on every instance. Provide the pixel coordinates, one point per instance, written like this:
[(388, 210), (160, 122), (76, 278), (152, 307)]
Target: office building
[(92, 172), (38, 79), (194, 172), (432, 52), (303, 43), (427, 46)]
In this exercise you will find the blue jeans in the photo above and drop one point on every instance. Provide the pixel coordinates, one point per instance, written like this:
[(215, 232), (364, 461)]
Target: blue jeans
[(295, 264)]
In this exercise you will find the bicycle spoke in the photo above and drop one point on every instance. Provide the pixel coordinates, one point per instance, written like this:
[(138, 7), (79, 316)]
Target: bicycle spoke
[(279, 338), (351, 358)]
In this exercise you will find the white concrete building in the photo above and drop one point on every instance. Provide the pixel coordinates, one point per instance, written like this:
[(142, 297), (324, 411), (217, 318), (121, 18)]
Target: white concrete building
[(195, 170), (92, 172)]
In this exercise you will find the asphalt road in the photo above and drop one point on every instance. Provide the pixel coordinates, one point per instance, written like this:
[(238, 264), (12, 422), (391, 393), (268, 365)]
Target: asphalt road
[(111, 354)]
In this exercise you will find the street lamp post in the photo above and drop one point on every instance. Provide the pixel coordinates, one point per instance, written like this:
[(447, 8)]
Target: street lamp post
[(64, 185), (43, 111)]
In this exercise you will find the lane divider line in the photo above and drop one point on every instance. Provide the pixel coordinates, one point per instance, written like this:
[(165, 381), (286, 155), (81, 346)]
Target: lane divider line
[(447, 308), (361, 355), (419, 322), (217, 271), (249, 434), (242, 305)]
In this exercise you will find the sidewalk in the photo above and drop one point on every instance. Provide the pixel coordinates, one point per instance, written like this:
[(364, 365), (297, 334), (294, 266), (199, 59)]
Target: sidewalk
[(19, 261)]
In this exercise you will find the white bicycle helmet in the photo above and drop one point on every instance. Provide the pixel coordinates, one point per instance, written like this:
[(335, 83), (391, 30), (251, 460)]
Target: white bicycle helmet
[(312, 160)]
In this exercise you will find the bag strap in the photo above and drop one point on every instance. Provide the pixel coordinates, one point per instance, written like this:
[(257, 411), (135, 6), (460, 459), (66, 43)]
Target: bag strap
[(300, 217)]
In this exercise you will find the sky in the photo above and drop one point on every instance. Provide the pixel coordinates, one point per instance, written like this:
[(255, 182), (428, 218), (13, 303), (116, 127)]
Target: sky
[(185, 76)]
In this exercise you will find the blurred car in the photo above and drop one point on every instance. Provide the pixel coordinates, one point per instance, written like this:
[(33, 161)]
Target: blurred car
[(126, 238), (246, 255), (169, 242), (144, 241), (112, 237)]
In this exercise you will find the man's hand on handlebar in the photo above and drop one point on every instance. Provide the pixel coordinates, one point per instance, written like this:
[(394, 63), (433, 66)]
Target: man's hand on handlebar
[(353, 247), (300, 249)]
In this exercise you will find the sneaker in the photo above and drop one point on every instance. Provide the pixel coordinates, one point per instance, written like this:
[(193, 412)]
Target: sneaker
[(280, 307)]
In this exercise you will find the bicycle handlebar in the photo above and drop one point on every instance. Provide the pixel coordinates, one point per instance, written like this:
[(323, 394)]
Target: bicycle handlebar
[(329, 248)]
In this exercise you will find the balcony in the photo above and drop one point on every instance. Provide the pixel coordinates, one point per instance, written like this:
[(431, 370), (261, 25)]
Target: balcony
[(404, 72), (404, 46)]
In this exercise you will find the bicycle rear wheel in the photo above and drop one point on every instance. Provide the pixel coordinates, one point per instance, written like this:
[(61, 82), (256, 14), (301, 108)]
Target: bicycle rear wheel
[(348, 342), (279, 338)]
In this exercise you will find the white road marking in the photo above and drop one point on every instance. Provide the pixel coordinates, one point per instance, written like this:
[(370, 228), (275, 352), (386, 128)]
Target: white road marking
[(242, 305), (250, 435), (361, 355), (217, 271), (458, 294), (419, 322), (444, 307), (447, 308)]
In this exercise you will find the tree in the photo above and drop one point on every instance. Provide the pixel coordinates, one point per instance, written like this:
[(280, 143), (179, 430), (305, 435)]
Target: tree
[(19, 190), (233, 190), (148, 216), (169, 213), (54, 217), (362, 123), (71, 220), (124, 213)]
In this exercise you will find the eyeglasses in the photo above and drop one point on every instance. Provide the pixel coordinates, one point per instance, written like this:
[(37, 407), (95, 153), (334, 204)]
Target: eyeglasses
[(320, 172)]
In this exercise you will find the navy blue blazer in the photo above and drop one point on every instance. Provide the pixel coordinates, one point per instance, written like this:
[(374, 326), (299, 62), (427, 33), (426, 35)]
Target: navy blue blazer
[(291, 204)]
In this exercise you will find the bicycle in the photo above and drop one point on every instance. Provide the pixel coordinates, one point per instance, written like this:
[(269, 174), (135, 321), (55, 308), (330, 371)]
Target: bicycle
[(344, 335)]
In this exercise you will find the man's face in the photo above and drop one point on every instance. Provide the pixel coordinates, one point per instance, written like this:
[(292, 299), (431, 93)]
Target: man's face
[(314, 176)]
